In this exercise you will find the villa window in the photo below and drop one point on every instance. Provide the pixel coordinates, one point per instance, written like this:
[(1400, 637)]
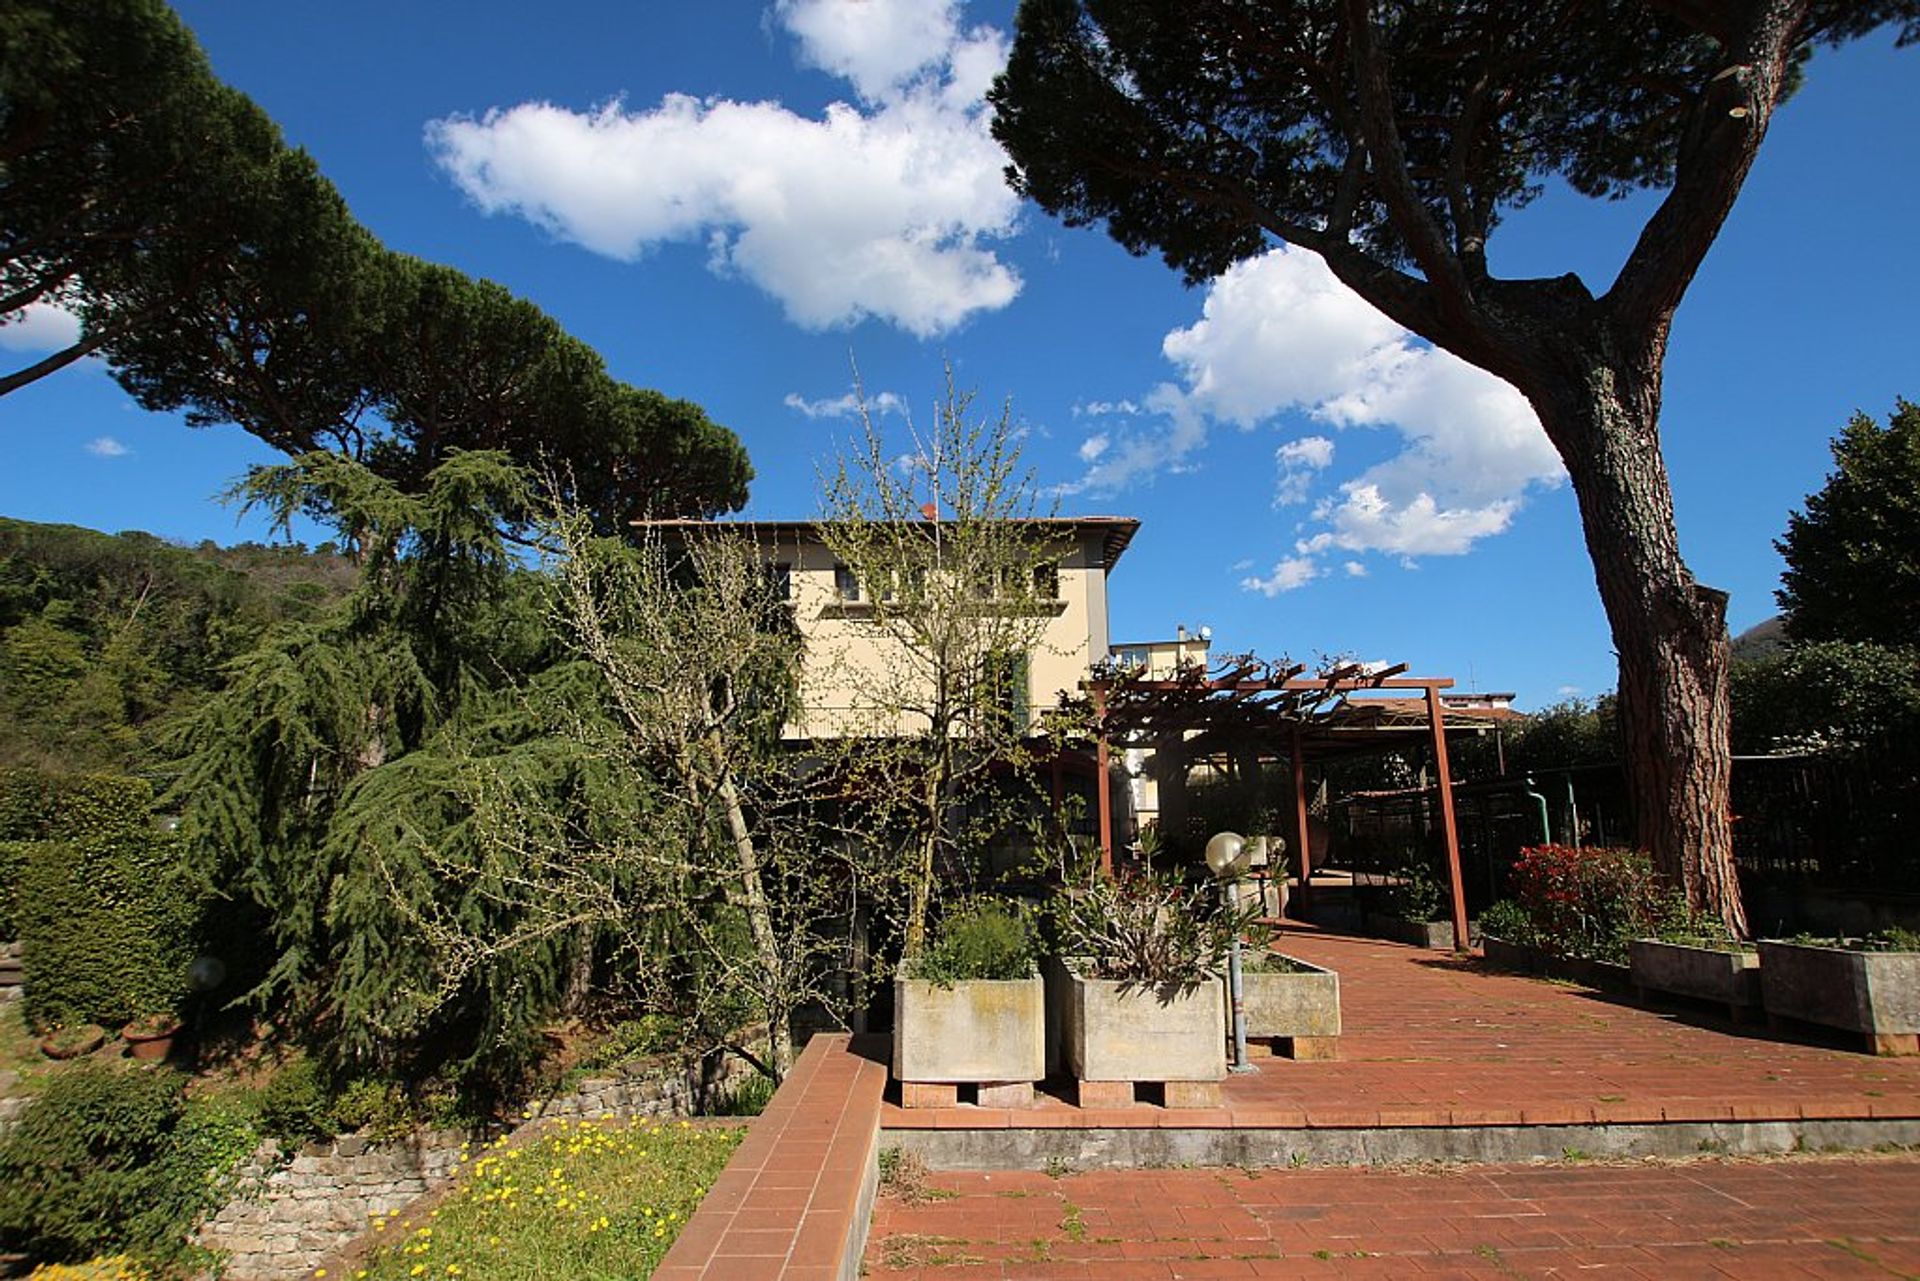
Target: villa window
[(1046, 581), (1008, 675), (846, 585), (780, 577)]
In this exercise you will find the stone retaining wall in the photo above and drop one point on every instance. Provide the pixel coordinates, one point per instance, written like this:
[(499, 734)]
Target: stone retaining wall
[(291, 1213)]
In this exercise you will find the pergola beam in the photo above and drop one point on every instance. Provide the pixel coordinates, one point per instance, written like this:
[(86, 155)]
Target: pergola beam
[(1257, 705)]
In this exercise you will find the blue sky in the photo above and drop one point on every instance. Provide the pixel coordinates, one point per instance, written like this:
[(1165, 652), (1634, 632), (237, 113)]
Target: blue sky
[(739, 202)]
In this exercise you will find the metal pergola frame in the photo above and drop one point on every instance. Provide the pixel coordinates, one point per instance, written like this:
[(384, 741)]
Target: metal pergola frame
[(1342, 709)]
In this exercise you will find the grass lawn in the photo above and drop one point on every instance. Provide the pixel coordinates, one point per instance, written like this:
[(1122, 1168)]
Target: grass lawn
[(584, 1200)]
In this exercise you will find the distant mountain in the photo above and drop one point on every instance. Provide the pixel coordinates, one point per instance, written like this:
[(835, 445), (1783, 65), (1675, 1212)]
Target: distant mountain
[(1762, 639), (106, 639)]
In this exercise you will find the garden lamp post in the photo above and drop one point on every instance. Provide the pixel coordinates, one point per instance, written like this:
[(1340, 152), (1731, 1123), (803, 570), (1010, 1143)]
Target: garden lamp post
[(1227, 859)]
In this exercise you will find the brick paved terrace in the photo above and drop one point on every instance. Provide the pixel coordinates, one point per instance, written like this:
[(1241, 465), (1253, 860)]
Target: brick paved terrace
[(1779, 1217), (1430, 1040)]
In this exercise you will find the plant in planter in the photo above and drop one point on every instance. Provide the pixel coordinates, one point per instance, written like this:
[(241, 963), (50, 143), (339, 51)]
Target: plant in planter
[(970, 1010), (1410, 910), (1142, 956), (1693, 955), (150, 1037), (1585, 905), (72, 1042), (1868, 986), (1293, 1004), (1507, 937)]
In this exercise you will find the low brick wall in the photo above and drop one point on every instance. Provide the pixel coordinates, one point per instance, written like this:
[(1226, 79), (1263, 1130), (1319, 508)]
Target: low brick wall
[(289, 1214), (796, 1198)]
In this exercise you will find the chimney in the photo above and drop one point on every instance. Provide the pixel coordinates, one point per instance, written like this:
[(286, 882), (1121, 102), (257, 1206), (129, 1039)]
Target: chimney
[(1180, 632), (929, 511)]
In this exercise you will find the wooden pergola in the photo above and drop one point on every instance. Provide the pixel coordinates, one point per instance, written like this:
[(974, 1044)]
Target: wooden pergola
[(1242, 699)]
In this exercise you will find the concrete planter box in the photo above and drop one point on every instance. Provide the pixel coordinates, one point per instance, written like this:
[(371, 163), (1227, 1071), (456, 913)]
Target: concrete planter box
[(1437, 935), (1126, 1032), (975, 1031), (1299, 1012), (1874, 994), (1727, 978), (1517, 957), (1606, 976), (1602, 976)]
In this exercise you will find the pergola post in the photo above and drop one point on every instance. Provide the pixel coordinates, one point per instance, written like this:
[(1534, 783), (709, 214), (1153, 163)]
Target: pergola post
[(1103, 786), (1301, 837), (1436, 719)]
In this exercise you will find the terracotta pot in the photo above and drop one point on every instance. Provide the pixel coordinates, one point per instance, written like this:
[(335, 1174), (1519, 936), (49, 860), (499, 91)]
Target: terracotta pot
[(94, 1038), (150, 1046)]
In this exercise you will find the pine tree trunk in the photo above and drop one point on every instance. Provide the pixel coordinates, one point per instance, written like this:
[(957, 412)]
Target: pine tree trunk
[(1669, 631)]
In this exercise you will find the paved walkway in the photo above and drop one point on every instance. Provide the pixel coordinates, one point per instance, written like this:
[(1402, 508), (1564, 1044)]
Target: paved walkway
[(1431, 1041), (1782, 1217)]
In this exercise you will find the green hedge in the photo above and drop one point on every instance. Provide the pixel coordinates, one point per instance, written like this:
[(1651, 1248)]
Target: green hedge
[(13, 858), (99, 896), (35, 806)]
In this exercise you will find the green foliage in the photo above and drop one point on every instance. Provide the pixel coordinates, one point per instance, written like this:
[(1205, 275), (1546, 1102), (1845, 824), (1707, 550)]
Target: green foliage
[(749, 1098), (105, 904), (1589, 901), (1507, 921), (13, 862), (633, 1039), (295, 1104), (1834, 696), (1852, 573), (979, 938), (1415, 895), (1148, 928), (131, 172), (110, 1160), (106, 641)]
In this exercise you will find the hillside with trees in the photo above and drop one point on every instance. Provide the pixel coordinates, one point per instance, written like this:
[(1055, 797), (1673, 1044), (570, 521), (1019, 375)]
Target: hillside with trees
[(108, 640)]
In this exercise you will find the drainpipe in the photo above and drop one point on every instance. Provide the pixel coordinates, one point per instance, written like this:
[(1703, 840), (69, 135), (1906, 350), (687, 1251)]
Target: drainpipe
[(1546, 826)]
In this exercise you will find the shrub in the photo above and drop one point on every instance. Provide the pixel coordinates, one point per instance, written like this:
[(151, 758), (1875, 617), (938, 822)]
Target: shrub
[(632, 1039), (1416, 895), (1144, 927), (115, 1161), (294, 1103), (979, 938), (1508, 922), (1590, 901)]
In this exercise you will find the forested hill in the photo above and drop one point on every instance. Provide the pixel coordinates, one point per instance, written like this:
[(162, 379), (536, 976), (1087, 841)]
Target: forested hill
[(105, 639)]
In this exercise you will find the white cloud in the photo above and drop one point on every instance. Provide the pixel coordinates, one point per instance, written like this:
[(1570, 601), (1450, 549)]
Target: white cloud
[(1140, 455), (1100, 408), (1093, 446), (1278, 334), (878, 45), (1292, 572), (846, 406), (887, 209), (1355, 569), (106, 447), (39, 326), (1299, 460)]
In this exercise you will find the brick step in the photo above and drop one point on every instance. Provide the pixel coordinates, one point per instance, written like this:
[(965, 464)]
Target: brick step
[(1171, 1094)]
